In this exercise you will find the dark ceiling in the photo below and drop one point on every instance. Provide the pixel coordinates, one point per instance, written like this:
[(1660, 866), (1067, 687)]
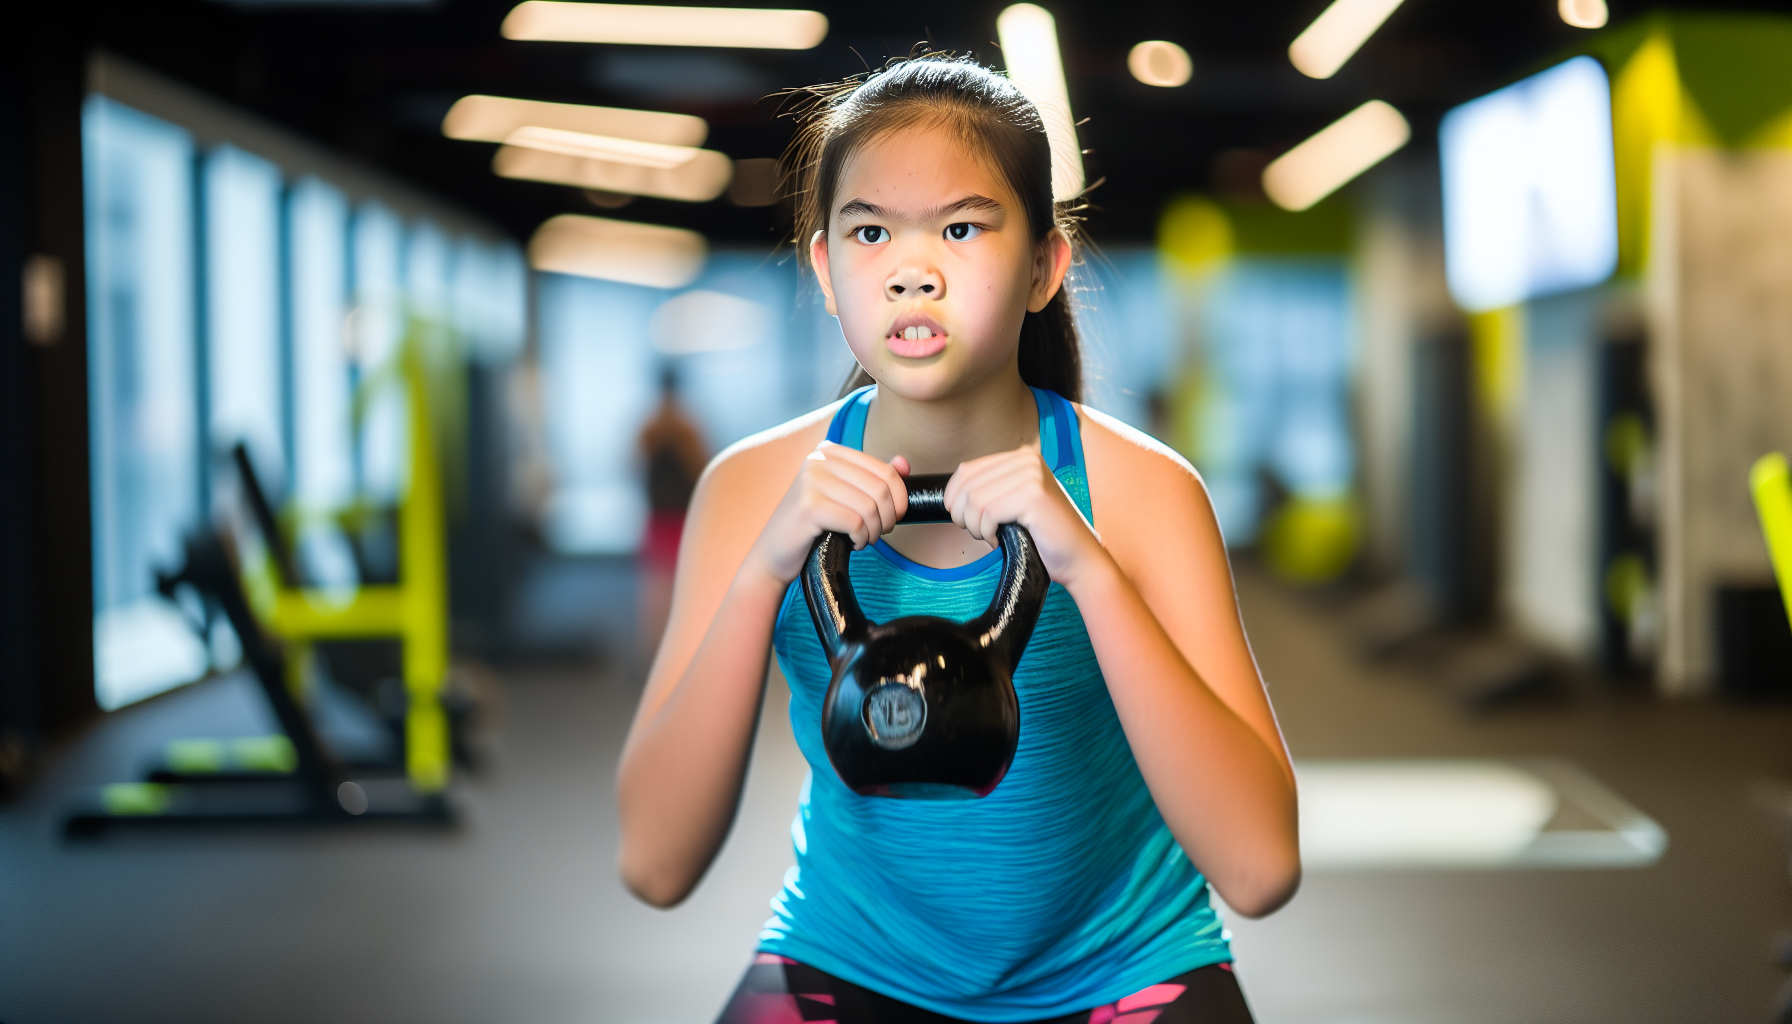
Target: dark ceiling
[(374, 81)]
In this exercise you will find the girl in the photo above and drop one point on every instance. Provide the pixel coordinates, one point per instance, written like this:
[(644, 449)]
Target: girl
[(1150, 764)]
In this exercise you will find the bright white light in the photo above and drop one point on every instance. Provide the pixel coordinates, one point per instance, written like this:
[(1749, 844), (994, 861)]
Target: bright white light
[(601, 147), (1029, 40), (615, 250), (1530, 205), (1419, 813), (701, 178), (1161, 63), (706, 321), (1339, 152), (492, 119), (1583, 13), (322, 405), (1338, 32), (141, 649), (241, 193), (646, 25)]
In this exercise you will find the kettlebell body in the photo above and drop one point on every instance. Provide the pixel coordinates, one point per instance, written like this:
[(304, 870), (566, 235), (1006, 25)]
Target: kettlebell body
[(923, 707)]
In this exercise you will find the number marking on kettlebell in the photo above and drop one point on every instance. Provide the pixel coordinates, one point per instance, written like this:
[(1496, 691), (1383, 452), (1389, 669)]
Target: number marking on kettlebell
[(896, 711)]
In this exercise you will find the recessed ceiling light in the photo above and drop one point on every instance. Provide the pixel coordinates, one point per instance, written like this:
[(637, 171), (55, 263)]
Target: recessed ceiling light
[(1161, 63), (1583, 13)]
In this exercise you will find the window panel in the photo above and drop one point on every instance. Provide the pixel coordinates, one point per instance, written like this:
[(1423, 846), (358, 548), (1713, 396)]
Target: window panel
[(143, 394), (323, 478), (379, 328), (242, 294)]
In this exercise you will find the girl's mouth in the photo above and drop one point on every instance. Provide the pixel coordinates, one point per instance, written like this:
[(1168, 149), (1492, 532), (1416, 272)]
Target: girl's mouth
[(916, 338)]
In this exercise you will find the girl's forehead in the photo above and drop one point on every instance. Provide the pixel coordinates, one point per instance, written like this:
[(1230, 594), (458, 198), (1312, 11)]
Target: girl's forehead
[(921, 163)]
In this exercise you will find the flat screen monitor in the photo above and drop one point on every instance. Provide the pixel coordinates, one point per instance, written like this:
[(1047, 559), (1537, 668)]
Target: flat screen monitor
[(1529, 189)]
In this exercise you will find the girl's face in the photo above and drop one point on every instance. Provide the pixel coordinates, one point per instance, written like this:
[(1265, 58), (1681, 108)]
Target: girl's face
[(928, 263)]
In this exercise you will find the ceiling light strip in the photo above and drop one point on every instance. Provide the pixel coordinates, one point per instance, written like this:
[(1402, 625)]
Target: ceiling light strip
[(1338, 32), (700, 179), (647, 25), (1342, 150), (601, 147), (1029, 40), (618, 250), (493, 118)]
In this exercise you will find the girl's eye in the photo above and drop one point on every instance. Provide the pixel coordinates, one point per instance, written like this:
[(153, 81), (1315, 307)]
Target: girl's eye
[(962, 232), (871, 234)]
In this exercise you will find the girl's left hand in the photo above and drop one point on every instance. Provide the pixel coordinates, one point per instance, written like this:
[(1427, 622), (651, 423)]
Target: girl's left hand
[(1018, 487)]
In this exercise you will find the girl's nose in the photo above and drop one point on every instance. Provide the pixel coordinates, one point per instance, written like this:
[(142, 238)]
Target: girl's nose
[(911, 282)]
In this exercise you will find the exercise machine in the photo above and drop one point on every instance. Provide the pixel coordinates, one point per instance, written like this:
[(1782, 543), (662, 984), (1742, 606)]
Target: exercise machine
[(243, 569)]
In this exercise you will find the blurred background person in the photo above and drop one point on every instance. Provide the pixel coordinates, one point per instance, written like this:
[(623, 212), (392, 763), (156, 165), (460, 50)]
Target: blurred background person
[(672, 448)]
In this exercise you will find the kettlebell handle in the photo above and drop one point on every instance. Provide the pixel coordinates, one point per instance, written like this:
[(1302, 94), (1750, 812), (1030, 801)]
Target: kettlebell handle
[(1006, 625), (927, 498)]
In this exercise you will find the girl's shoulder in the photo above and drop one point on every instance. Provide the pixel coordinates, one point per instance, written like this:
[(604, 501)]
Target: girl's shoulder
[(1151, 510), (776, 450), (1127, 456), (740, 489)]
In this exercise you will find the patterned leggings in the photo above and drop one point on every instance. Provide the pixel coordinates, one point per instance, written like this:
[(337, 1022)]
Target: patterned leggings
[(779, 990)]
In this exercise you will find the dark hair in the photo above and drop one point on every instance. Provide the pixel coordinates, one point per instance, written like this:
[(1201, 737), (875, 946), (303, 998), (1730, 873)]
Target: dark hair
[(988, 112)]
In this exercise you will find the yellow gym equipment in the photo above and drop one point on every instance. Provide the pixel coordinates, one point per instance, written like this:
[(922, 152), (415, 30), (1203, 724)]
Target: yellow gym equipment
[(415, 610), (1772, 487)]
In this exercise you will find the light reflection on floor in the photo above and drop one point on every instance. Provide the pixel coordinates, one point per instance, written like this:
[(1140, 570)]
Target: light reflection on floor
[(1460, 813)]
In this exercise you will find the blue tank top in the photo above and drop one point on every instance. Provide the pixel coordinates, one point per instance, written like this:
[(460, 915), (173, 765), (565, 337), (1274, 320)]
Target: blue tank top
[(1060, 891)]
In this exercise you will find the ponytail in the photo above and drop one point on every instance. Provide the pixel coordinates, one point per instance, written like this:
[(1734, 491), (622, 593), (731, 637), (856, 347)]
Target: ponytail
[(1051, 350)]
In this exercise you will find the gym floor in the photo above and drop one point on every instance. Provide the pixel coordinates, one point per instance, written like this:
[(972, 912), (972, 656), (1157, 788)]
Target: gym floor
[(517, 915)]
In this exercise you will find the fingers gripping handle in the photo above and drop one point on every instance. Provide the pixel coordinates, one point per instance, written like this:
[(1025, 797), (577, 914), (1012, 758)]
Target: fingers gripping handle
[(1008, 623), (827, 586)]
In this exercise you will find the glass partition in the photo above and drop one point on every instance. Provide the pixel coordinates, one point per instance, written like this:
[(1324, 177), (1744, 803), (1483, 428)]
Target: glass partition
[(142, 394), (229, 303)]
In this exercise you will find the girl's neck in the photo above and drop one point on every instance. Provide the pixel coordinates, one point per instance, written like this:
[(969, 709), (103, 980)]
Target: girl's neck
[(997, 414)]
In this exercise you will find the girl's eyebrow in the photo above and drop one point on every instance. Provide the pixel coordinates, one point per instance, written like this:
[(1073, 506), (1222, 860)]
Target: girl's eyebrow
[(973, 202), (859, 207)]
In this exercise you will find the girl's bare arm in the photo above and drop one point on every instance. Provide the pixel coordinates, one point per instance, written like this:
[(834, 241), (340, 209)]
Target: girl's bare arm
[(746, 535), (1155, 591), (1166, 629)]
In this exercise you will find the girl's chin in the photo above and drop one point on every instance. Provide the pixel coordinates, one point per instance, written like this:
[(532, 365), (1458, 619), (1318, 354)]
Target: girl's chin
[(919, 383)]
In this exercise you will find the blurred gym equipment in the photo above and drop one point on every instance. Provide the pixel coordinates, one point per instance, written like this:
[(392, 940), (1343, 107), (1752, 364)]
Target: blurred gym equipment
[(246, 571)]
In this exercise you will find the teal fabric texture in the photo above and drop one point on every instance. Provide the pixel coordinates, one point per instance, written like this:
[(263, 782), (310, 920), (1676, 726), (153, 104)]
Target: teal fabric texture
[(1059, 891)]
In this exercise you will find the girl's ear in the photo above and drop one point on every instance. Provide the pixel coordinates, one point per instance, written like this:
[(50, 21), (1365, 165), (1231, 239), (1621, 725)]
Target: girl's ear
[(1051, 261), (818, 261)]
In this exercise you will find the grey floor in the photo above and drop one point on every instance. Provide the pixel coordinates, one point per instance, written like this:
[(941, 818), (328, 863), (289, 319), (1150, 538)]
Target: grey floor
[(517, 915)]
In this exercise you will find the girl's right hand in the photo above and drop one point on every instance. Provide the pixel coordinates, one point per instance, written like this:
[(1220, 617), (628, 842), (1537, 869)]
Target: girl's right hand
[(838, 489)]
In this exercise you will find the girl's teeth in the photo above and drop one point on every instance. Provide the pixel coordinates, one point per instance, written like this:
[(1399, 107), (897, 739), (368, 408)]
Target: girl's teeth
[(917, 333)]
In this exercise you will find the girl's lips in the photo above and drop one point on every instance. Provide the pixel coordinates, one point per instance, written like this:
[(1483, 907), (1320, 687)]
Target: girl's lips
[(916, 348)]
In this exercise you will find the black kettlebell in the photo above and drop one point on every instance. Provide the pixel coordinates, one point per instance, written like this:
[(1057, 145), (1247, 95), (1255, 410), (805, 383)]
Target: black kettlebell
[(923, 707)]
